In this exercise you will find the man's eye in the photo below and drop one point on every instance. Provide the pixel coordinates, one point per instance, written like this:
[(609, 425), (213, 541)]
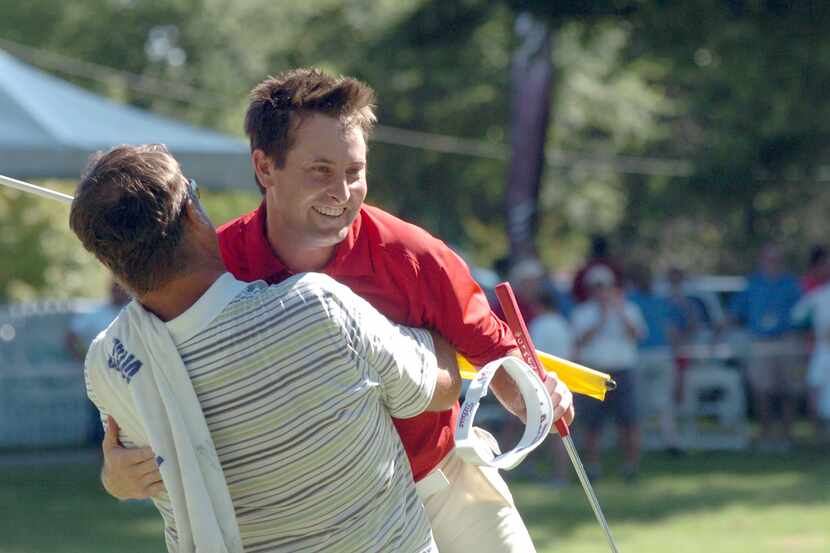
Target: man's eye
[(321, 170)]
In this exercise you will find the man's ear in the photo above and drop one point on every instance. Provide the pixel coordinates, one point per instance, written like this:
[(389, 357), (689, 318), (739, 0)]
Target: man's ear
[(263, 167)]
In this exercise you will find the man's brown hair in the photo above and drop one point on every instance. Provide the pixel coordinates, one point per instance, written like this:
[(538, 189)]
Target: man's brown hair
[(128, 211), (279, 104)]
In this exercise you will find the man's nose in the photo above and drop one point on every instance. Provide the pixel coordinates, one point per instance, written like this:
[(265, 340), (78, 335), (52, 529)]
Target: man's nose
[(339, 189)]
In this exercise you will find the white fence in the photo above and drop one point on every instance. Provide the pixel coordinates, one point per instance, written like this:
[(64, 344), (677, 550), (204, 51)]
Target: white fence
[(43, 400)]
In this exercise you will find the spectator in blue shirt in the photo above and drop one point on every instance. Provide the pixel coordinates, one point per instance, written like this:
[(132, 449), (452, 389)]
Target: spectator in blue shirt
[(656, 372), (765, 307)]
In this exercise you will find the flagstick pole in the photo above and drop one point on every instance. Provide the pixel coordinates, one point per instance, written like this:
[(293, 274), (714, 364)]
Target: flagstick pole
[(37, 190)]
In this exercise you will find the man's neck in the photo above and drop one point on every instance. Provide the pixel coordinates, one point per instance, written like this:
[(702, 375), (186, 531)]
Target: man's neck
[(179, 295), (297, 257)]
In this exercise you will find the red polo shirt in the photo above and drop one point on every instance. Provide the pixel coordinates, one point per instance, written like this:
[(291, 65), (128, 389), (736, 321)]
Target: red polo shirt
[(408, 275)]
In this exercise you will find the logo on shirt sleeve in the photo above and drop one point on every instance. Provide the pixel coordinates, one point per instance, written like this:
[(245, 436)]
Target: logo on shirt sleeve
[(123, 361)]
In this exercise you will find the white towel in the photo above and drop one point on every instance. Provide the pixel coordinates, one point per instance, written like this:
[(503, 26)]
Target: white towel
[(135, 370)]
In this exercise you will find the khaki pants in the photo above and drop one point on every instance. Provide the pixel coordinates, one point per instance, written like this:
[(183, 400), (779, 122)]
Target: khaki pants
[(776, 366), (474, 512)]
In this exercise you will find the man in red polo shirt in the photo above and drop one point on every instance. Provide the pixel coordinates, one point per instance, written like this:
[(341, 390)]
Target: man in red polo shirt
[(308, 136)]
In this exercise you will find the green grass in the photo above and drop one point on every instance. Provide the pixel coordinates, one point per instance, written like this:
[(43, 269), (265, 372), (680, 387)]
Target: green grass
[(63, 509), (711, 503)]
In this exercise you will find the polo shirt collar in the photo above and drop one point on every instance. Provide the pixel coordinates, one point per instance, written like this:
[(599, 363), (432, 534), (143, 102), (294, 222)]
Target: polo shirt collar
[(347, 258), (261, 258), (198, 316)]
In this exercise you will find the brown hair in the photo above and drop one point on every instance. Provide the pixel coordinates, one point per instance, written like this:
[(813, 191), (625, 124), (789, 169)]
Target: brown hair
[(302, 92), (128, 212)]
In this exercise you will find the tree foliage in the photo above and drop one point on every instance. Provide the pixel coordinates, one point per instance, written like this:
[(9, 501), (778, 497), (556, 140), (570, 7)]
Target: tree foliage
[(750, 80), (734, 88)]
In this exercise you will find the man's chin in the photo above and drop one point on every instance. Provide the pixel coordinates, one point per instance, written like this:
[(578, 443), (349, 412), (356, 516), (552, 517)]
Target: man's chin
[(327, 237), (334, 230)]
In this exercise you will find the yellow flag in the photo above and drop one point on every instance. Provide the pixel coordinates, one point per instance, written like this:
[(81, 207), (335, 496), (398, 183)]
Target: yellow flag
[(579, 379)]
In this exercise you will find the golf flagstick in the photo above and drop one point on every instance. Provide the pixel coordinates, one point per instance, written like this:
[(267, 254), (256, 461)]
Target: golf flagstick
[(37, 190), (517, 326)]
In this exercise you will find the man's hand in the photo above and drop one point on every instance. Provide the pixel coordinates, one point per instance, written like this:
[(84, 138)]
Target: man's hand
[(128, 473), (562, 399), (448, 381), (509, 396)]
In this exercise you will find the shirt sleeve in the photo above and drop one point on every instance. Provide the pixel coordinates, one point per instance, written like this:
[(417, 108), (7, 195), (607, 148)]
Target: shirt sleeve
[(402, 358), (455, 306), (100, 394), (93, 396)]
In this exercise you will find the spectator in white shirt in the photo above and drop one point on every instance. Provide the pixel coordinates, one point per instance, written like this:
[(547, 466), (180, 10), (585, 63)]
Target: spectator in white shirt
[(551, 333), (606, 330), (550, 330), (815, 307)]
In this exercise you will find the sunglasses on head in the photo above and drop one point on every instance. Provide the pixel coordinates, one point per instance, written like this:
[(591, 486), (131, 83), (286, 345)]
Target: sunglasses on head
[(193, 188)]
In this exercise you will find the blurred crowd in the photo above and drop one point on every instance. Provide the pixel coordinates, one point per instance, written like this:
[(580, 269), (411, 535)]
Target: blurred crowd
[(652, 333), (655, 333)]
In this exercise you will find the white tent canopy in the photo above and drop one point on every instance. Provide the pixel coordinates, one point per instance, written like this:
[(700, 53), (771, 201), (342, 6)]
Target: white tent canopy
[(49, 128)]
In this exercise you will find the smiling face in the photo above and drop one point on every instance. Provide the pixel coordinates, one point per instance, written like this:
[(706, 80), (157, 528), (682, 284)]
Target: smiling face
[(315, 197)]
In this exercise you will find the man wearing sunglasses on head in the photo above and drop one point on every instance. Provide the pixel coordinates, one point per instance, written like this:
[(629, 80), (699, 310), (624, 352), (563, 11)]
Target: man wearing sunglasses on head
[(268, 407)]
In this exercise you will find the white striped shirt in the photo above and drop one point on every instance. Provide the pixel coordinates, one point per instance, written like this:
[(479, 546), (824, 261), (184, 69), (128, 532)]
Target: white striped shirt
[(298, 382)]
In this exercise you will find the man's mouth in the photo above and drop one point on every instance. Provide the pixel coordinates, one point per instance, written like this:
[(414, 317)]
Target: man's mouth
[(329, 211)]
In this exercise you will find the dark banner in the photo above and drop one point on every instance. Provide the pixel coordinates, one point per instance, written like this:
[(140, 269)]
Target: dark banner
[(532, 77)]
